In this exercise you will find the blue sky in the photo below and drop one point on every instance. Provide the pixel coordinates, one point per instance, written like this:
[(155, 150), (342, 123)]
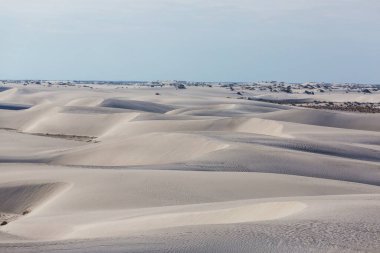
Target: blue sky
[(200, 40)]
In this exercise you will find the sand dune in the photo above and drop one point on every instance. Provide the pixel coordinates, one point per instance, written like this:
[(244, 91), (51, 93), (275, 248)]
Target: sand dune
[(168, 199), (105, 169), (238, 124), (228, 110), (136, 105), (18, 198), (163, 149), (367, 122), (231, 215)]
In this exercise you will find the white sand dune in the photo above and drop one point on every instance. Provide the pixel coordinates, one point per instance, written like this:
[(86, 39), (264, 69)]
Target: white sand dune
[(25, 197), (367, 122), (20, 199), (136, 105), (339, 96), (238, 124), (162, 149), (105, 169), (228, 110), (232, 214), (168, 199)]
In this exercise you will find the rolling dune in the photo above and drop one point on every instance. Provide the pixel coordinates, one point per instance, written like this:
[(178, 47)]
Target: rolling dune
[(366, 122), (122, 169), (162, 149)]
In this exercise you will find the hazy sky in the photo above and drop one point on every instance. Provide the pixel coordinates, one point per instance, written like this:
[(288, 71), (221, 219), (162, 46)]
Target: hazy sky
[(211, 40)]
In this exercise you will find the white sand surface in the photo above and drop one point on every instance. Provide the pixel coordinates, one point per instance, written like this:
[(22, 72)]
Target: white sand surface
[(198, 170)]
